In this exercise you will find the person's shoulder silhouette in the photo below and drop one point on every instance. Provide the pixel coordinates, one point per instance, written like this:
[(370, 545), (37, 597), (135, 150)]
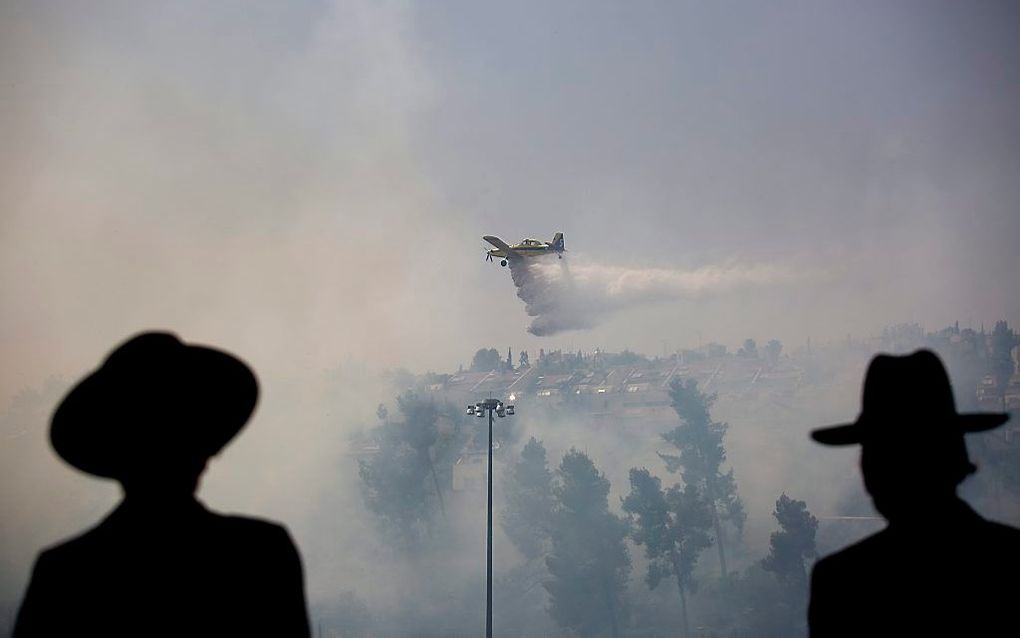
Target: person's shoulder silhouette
[(938, 567), (161, 563)]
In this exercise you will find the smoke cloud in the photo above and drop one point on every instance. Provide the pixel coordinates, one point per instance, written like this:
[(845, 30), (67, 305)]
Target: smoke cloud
[(568, 294)]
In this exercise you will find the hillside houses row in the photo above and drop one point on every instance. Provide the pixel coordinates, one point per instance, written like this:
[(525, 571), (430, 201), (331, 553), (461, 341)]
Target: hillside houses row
[(632, 392)]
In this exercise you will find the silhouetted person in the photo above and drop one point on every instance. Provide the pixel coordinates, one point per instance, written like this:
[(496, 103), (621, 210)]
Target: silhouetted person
[(937, 568), (161, 564)]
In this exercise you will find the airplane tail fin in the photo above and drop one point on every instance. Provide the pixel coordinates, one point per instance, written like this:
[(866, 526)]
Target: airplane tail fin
[(557, 242)]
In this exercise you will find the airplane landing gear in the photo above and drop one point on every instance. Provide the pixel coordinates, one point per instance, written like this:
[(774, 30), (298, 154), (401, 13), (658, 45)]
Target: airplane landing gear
[(502, 263)]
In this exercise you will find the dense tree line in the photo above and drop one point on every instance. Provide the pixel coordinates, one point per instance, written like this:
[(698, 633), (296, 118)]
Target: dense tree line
[(575, 556), (562, 516)]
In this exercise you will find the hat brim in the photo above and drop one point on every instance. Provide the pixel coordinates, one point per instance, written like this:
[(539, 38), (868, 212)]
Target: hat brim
[(853, 433), (842, 434), (94, 428)]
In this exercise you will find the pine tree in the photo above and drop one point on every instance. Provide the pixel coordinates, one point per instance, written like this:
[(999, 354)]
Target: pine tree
[(789, 550), (529, 501), (588, 562), (486, 360), (399, 484), (673, 526), (793, 544), (699, 441)]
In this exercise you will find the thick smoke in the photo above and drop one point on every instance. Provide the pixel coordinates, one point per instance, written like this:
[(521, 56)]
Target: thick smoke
[(578, 294)]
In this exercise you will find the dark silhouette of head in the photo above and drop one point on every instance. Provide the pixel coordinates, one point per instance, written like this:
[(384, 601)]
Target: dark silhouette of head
[(161, 563), (913, 453), (154, 413)]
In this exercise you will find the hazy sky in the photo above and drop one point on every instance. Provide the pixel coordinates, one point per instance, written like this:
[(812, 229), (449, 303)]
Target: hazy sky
[(308, 183)]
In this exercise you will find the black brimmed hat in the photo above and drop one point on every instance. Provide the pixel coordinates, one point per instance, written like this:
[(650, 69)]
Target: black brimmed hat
[(154, 398), (907, 396)]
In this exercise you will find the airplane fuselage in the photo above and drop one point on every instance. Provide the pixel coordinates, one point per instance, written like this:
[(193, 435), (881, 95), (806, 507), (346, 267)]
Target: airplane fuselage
[(527, 248), (521, 250)]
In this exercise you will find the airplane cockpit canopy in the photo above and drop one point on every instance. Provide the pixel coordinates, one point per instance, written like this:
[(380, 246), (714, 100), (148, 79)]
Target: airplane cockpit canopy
[(531, 242)]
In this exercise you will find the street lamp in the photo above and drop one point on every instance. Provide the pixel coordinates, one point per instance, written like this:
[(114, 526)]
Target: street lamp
[(479, 410)]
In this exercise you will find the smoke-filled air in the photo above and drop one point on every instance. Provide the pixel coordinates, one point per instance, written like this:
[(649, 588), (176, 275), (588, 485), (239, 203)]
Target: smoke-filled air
[(755, 199)]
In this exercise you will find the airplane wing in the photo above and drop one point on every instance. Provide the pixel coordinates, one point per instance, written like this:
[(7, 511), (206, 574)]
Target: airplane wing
[(498, 243)]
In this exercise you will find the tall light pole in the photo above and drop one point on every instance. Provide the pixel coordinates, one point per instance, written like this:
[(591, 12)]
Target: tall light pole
[(479, 409)]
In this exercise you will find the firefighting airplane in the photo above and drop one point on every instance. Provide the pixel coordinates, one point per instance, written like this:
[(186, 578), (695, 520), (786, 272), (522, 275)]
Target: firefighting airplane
[(527, 248)]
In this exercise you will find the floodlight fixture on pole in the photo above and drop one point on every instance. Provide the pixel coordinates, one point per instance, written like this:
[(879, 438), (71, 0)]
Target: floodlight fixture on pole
[(479, 410)]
